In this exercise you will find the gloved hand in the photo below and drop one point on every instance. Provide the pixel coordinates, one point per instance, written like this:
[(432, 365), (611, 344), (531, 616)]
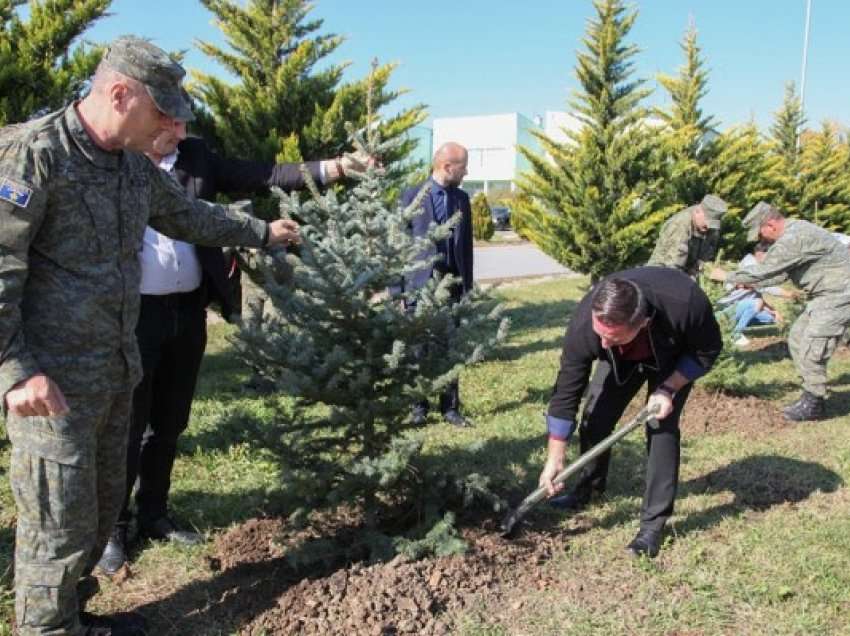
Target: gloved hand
[(550, 471), (663, 401)]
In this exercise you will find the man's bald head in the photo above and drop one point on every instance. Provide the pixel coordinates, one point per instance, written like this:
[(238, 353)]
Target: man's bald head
[(449, 165)]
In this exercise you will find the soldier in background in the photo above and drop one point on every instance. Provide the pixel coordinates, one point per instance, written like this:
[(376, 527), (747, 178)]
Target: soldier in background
[(812, 259), (75, 196), (690, 238)]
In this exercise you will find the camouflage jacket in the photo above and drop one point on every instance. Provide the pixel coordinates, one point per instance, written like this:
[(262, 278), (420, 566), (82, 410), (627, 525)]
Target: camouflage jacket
[(812, 259), (72, 217), (681, 246)]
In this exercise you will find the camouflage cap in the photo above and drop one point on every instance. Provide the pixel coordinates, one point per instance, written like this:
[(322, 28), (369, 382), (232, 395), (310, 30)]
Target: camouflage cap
[(714, 208), (150, 65), (755, 218)]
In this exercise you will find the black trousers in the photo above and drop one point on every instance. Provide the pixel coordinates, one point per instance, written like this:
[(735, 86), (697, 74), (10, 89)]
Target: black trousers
[(605, 402), (172, 336), (450, 397)]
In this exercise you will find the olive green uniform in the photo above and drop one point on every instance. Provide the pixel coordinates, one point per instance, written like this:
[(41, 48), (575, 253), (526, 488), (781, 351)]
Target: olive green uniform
[(815, 261), (681, 246), (72, 218)]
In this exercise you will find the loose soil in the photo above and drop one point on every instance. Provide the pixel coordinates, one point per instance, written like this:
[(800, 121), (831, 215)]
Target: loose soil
[(401, 597), (261, 594)]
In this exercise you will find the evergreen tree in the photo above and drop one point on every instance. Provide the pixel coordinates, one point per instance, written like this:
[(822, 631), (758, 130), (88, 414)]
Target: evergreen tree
[(482, 218), (336, 340), (825, 179), (743, 173), (289, 104), (591, 207), (685, 144), (39, 71), (788, 125), (785, 135)]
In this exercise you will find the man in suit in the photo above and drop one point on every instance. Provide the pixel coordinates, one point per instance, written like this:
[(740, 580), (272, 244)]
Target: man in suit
[(444, 199), (179, 280)]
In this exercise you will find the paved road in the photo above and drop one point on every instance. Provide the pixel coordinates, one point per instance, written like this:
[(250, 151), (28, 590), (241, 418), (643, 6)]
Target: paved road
[(522, 260)]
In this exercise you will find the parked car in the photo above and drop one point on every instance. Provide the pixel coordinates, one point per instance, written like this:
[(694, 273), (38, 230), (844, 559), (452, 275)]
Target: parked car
[(501, 216)]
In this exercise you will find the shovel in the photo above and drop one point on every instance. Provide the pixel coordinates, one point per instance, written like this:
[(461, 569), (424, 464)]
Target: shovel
[(645, 415)]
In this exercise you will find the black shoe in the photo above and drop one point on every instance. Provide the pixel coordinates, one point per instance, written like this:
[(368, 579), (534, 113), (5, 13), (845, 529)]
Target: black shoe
[(124, 624), (115, 553), (453, 417), (575, 500), (164, 529), (809, 407), (419, 415), (646, 543)]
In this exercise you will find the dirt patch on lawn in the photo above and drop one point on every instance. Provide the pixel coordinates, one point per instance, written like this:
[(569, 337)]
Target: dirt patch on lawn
[(716, 413), (712, 413), (398, 597)]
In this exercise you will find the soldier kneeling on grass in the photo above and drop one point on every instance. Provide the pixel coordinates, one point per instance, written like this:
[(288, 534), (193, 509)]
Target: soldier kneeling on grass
[(649, 325)]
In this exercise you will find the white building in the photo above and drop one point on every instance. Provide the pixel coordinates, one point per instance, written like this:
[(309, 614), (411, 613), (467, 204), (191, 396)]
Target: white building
[(493, 141), (557, 123)]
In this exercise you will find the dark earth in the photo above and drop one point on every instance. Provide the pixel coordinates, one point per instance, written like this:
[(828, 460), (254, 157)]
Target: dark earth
[(256, 588)]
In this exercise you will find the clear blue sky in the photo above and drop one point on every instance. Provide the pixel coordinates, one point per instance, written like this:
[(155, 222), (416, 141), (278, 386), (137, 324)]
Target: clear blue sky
[(464, 57)]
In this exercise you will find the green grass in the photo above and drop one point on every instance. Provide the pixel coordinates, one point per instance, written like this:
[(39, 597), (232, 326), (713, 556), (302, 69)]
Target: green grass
[(759, 544)]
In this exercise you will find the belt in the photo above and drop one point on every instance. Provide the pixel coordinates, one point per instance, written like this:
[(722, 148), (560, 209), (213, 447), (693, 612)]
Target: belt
[(180, 300)]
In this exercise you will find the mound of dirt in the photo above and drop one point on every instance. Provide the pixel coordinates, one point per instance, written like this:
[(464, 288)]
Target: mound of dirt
[(398, 597)]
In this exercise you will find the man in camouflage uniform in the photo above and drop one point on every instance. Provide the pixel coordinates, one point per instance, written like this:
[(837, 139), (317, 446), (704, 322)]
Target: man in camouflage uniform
[(75, 196), (815, 261), (689, 238)]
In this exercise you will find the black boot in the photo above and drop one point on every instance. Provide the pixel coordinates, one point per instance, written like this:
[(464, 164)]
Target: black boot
[(124, 624), (577, 499), (646, 543), (115, 553), (164, 529), (808, 407)]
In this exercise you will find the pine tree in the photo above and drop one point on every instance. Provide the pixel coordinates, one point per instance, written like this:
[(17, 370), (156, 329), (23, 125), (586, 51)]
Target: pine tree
[(686, 146), (743, 173), (39, 71), (825, 179), (482, 218), (591, 207), (785, 135), (357, 359), (289, 104)]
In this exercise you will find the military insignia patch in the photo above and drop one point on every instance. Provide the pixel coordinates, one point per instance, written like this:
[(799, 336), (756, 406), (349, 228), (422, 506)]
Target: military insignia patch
[(14, 192)]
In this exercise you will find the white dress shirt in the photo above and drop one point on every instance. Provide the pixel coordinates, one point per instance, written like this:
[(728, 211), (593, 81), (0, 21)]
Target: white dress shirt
[(168, 266)]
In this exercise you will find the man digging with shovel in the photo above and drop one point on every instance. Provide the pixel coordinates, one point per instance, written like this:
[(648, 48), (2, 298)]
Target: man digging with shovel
[(649, 325)]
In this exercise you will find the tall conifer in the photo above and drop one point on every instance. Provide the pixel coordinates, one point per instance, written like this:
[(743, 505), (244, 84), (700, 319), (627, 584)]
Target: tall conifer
[(687, 144), (287, 103), (589, 206), (40, 69)]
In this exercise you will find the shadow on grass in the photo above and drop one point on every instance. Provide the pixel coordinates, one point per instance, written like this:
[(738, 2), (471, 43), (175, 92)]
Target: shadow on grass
[(239, 426), (546, 315), (758, 483)]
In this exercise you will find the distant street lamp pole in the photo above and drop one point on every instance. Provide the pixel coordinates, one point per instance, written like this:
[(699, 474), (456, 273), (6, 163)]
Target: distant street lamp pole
[(805, 52)]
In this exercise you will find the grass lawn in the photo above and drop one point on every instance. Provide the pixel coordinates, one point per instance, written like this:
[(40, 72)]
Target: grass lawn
[(759, 544)]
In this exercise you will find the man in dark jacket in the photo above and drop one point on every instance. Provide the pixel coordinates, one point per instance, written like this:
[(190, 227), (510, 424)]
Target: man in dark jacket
[(648, 325), (178, 281), (444, 200)]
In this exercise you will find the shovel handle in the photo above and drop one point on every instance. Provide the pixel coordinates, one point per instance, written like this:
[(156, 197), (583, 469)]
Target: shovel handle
[(645, 415)]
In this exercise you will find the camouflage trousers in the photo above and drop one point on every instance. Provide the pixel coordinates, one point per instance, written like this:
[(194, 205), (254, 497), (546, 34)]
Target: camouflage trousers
[(812, 340), (67, 477)]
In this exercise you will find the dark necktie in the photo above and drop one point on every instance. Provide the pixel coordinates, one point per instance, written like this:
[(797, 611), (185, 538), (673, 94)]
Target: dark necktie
[(441, 205)]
